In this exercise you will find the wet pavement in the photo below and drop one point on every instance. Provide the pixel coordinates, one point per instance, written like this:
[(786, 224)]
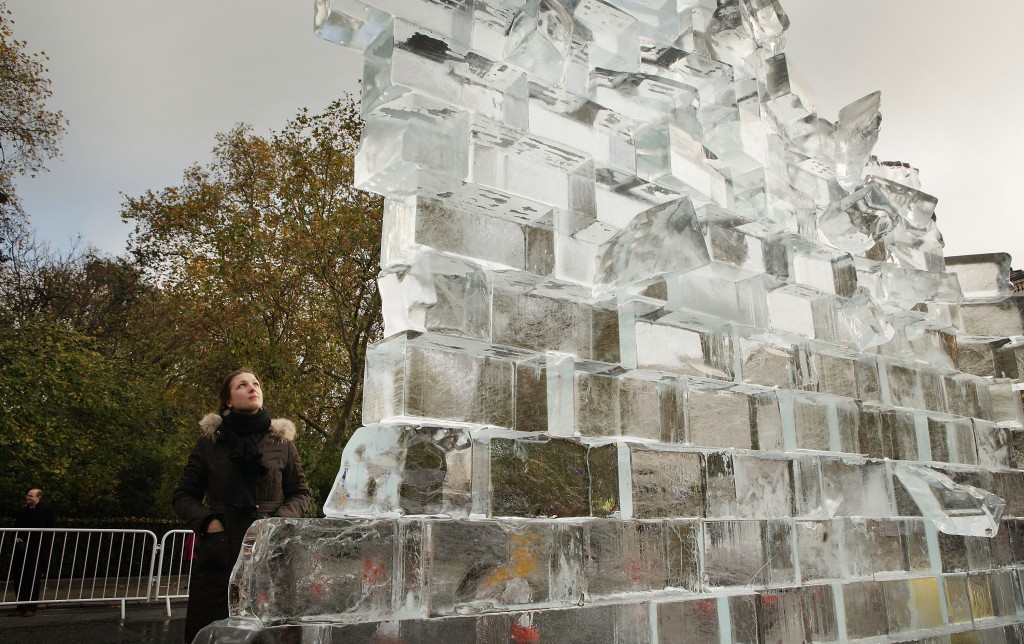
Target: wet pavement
[(95, 624)]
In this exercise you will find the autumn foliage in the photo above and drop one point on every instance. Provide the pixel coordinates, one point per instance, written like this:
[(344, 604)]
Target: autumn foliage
[(29, 132), (266, 256), (271, 256)]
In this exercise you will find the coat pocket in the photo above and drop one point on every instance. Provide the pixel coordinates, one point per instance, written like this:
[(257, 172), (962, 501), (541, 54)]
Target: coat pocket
[(214, 551)]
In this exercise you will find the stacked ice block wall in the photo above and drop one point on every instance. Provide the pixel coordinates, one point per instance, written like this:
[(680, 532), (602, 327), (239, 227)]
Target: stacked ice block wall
[(669, 357)]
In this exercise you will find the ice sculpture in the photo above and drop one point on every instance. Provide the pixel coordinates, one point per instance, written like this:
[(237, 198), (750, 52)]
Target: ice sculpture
[(669, 356)]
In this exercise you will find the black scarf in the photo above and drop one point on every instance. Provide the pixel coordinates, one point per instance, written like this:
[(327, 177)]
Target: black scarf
[(241, 433)]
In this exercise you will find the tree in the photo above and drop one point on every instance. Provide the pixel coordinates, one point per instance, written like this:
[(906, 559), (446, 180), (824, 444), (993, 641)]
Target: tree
[(29, 133), (71, 421), (273, 256), (81, 400)]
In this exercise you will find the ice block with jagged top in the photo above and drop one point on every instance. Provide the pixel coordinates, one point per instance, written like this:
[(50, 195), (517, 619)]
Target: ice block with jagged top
[(669, 356)]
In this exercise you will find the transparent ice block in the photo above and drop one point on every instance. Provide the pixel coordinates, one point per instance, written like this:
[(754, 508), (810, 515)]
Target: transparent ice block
[(349, 23), (663, 239), (666, 483), (403, 469), (539, 39), (856, 134), (983, 276), (955, 508)]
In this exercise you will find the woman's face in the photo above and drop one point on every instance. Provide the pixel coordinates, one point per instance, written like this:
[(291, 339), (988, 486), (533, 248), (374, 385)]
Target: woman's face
[(246, 394)]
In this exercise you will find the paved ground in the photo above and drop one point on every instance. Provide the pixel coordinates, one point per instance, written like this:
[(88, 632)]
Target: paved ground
[(94, 624)]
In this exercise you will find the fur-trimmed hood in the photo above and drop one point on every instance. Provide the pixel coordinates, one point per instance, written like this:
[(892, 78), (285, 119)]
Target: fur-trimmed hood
[(280, 428)]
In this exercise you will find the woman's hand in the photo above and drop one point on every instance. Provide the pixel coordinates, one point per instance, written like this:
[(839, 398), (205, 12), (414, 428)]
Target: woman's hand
[(214, 526)]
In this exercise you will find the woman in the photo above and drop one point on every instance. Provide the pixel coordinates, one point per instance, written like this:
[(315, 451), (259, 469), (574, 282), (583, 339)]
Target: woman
[(247, 467)]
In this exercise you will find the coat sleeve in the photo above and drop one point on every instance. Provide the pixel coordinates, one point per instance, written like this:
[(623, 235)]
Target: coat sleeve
[(293, 484), (188, 496)]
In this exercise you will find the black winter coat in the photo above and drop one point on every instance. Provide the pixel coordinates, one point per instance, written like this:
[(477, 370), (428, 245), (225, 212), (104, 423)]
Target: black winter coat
[(281, 492)]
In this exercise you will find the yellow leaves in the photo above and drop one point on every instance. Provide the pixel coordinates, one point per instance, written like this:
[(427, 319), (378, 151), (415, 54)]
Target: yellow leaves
[(30, 133)]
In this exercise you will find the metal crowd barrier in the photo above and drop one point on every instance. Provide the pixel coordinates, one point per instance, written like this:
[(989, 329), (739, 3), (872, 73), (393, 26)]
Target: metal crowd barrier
[(70, 565), (175, 566)]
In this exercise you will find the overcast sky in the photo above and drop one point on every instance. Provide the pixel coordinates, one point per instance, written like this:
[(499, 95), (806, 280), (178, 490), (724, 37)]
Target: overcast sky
[(146, 86)]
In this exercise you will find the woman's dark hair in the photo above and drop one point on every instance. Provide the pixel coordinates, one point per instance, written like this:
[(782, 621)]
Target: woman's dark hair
[(225, 387)]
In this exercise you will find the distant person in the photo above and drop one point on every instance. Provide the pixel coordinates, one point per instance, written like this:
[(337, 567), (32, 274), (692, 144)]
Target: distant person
[(32, 549), (246, 466)]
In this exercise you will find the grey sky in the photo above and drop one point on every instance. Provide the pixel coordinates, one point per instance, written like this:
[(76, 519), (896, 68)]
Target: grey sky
[(949, 73), (146, 86)]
